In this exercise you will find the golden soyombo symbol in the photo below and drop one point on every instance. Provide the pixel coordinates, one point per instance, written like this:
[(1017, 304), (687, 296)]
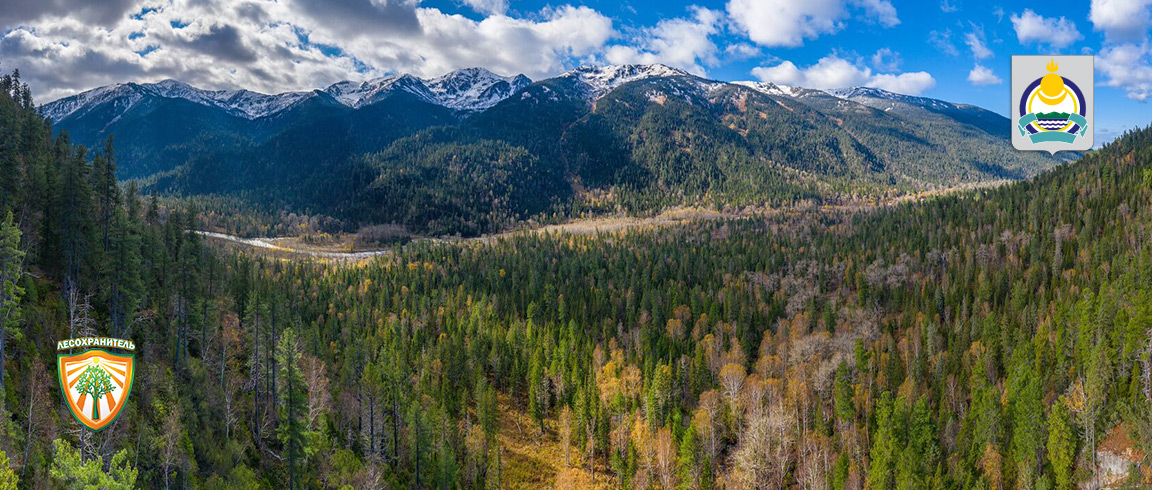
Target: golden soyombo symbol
[(96, 383)]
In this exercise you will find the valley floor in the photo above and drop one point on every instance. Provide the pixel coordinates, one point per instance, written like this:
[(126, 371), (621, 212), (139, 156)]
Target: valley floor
[(344, 248)]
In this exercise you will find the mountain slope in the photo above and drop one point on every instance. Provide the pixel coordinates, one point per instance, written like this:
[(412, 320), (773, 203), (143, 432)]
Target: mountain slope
[(988, 121), (674, 132), (596, 139)]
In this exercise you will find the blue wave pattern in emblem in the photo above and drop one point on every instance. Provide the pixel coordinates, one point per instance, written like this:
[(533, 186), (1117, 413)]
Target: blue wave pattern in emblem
[(1052, 124)]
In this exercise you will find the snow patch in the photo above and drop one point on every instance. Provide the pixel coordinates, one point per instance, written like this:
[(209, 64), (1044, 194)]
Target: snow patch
[(603, 79), (855, 93), (776, 89), (474, 89)]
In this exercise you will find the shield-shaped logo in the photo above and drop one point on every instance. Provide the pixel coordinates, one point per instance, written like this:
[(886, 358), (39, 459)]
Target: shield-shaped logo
[(1052, 104), (96, 383)]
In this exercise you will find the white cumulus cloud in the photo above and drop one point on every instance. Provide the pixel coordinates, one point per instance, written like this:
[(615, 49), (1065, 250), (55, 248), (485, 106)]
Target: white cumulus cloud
[(911, 83), (1129, 67), (790, 22), (1126, 58), (275, 46), (1035, 28), (1121, 20), (982, 75), (683, 43), (835, 72)]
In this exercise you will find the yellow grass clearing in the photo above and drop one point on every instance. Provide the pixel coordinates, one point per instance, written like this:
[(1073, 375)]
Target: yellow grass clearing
[(535, 461)]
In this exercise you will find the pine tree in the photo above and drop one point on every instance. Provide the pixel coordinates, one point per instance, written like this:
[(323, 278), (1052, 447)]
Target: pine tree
[(1061, 444), (1028, 432), (370, 387), (707, 476), (11, 266), (840, 472), (126, 288), (447, 468), (188, 276), (487, 411), (537, 402), (885, 445), (842, 387), (73, 206), (686, 467), (293, 405), (107, 193), (920, 453), (419, 438)]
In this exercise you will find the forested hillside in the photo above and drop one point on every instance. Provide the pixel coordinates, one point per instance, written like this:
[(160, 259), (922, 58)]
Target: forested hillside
[(629, 139), (993, 339)]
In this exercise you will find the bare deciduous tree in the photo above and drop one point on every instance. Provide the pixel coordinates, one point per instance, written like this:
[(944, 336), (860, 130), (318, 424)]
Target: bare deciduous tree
[(764, 453), (731, 379), (665, 458), (319, 398)]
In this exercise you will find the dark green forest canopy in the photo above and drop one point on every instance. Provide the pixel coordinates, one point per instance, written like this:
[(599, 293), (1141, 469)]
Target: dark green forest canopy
[(989, 339)]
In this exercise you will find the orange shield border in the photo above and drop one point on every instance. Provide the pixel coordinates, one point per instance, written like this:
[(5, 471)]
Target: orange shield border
[(96, 372)]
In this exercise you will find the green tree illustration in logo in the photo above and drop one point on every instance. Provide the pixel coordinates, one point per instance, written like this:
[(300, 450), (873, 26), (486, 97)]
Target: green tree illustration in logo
[(96, 382)]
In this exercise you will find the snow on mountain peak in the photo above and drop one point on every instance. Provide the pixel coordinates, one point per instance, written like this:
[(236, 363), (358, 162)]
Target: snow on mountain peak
[(876, 93), (125, 95), (604, 79), (465, 90), (241, 103), (474, 89), (780, 90), (358, 95), (764, 87)]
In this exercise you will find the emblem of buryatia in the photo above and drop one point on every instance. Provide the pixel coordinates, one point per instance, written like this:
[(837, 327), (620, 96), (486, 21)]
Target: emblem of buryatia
[(95, 383), (1052, 111)]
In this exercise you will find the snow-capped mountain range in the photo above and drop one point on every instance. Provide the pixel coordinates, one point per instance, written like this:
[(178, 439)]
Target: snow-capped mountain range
[(243, 103), (466, 91), (600, 80)]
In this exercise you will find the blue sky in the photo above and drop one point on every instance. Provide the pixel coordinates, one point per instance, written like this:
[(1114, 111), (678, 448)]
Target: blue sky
[(955, 50)]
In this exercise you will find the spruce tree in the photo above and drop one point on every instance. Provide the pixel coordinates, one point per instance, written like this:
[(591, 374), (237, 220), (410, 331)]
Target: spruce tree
[(686, 467), (885, 445), (293, 405), (11, 270), (1061, 444)]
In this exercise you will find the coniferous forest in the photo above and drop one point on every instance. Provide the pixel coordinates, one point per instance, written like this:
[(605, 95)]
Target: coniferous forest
[(989, 339)]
